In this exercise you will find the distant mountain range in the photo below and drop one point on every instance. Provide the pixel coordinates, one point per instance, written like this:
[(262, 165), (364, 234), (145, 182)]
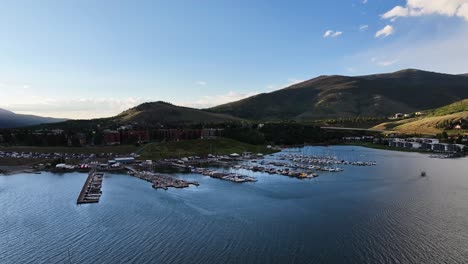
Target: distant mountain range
[(337, 96), (9, 119), (324, 97)]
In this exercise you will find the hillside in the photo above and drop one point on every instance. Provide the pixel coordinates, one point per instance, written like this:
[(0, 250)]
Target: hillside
[(433, 121), (336, 96), (151, 114), (456, 107), (9, 119), (166, 113)]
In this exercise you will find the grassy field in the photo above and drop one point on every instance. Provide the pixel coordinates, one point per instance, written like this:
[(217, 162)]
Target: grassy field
[(186, 148), (431, 121), (456, 107), (425, 125)]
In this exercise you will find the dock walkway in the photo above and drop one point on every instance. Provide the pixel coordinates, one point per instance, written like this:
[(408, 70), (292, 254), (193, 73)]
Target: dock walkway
[(160, 181), (91, 191)]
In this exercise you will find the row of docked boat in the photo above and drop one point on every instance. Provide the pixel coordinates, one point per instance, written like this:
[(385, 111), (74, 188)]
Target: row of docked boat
[(234, 177), (324, 160), (283, 171), (160, 181), (91, 191), (302, 166)]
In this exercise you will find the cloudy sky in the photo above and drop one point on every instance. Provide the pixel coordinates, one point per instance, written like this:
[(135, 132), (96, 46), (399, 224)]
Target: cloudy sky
[(88, 58)]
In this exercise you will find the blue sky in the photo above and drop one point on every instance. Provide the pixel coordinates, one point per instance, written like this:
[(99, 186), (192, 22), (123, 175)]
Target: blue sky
[(84, 59)]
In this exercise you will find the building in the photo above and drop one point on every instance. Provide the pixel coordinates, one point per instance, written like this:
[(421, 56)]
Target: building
[(173, 134), (426, 144), (440, 147), (125, 160), (134, 136), (413, 145), (359, 139), (208, 133), (112, 137)]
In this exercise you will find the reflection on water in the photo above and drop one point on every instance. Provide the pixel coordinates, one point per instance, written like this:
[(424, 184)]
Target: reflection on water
[(381, 214)]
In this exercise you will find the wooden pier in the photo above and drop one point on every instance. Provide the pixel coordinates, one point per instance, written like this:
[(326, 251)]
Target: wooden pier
[(91, 191)]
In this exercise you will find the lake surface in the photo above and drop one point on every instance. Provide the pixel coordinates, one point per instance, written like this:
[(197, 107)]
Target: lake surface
[(380, 214)]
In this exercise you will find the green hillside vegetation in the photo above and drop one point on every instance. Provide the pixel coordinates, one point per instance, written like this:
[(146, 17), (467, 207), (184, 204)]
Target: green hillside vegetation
[(185, 148), (153, 114), (332, 97), (433, 121), (166, 113), (456, 107)]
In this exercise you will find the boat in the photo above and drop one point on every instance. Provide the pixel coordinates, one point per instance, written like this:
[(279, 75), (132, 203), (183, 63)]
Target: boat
[(423, 174), (313, 175)]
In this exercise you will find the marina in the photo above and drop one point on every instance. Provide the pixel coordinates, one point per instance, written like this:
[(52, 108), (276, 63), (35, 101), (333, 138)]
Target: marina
[(91, 191), (233, 177), (198, 224), (300, 166), (160, 181)]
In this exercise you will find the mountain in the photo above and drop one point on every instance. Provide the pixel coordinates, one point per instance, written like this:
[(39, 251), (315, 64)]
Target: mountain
[(9, 119), (432, 121), (166, 113), (151, 114), (337, 96)]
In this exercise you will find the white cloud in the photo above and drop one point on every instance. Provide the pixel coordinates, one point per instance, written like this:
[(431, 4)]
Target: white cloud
[(440, 53), (213, 100), (328, 33), (337, 33), (292, 81), (463, 11), (384, 62), (332, 34), (202, 83), (363, 27), (385, 32), (88, 108), (429, 7), (78, 108), (364, 1)]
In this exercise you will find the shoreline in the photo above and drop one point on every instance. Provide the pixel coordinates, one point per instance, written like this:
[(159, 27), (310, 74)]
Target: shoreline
[(384, 147), (8, 170)]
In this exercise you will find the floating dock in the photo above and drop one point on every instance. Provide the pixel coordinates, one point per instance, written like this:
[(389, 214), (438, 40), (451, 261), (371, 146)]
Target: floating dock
[(227, 176), (91, 191), (160, 181)]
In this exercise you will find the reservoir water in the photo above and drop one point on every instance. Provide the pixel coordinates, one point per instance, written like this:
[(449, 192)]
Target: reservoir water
[(379, 214)]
